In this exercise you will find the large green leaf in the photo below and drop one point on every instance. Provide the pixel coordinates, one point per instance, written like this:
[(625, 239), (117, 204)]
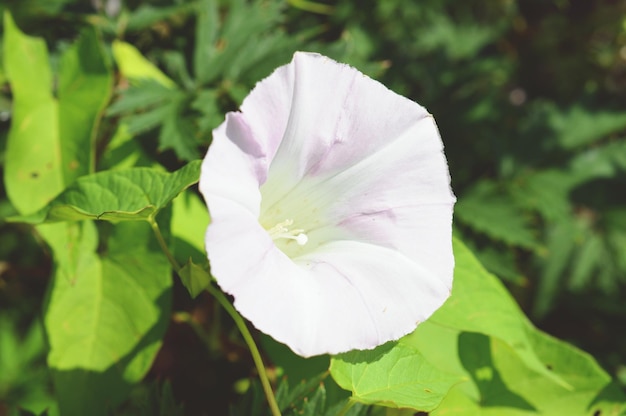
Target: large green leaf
[(33, 172), (51, 140), (85, 85), (118, 195), (481, 337), (394, 374), (190, 219), (502, 384), (107, 311), (480, 303)]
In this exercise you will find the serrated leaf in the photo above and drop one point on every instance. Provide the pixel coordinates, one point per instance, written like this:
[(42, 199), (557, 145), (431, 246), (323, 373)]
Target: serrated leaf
[(120, 195), (291, 398), (585, 261), (316, 404), (106, 312), (177, 132), (394, 375), (546, 192), (146, 15), (578, 126), (244, 41), (562, 237), (145, 94), (206, 37), (486, 210)]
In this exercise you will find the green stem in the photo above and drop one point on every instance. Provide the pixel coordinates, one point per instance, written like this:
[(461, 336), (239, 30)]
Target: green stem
[(256, 355), (241, 325), (163, 244)]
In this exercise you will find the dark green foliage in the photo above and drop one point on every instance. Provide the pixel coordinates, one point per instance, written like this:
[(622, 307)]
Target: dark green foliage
[(529, 98), (305, 398)]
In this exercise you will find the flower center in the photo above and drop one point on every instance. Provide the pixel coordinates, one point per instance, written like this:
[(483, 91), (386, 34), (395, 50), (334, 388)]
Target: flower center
[(281, 230)]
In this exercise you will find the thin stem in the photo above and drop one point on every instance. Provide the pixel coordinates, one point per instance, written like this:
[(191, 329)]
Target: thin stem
[(241, 325), (163, 244), (256, 355)]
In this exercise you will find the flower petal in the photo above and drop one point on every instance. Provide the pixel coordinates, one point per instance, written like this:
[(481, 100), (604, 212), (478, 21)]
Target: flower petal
[(344, 296), (357, 168)]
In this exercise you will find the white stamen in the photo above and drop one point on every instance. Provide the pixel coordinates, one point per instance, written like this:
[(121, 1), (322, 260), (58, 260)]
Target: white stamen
[(280, 230)]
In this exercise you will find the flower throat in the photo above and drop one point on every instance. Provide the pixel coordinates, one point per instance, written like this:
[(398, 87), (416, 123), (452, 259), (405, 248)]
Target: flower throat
[(281, 230)]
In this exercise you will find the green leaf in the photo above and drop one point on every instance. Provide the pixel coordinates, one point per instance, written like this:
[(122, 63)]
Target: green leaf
[(578, 126), (51, 141), (150, 104), (85, 86), (106, 312), (147, 93), (506, 386), (147, 15), (194, 278), (479, 303), (246, 41), (562, 238), (120, 195), (511, 367), (190, 219), (177, 132), (489, 211), (206, 37), (394, 374), (470, 338), (587, 259), (33, 170), (135, 67)]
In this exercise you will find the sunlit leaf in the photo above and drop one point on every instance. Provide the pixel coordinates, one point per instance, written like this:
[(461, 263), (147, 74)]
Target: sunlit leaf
[(106, 312), (85, 86), (33, 167), (51, 140), (134, 66), (117, 195), (394, 374), (190, 219)]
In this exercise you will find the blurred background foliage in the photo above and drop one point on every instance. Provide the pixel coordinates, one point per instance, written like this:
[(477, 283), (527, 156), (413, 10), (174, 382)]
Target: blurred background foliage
[(529, 96)]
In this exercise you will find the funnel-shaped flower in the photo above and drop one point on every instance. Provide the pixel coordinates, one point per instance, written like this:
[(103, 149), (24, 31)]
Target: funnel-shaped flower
[(331, 209)]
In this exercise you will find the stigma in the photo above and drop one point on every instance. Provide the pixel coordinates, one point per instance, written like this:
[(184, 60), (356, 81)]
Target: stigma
[(281, 230)]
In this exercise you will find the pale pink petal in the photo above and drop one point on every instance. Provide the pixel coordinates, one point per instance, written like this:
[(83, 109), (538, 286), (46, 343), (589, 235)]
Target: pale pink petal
[(347, 295), (360, 171)]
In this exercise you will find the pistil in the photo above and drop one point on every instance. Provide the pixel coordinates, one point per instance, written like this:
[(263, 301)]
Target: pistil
[(281, 230)]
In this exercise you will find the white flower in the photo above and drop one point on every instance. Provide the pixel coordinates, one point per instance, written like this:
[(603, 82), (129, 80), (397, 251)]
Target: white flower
[(331, 209)]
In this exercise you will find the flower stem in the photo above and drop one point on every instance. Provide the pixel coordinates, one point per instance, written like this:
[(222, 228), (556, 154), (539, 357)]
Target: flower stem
[(241, 325), (163, 244), (256, 355)]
